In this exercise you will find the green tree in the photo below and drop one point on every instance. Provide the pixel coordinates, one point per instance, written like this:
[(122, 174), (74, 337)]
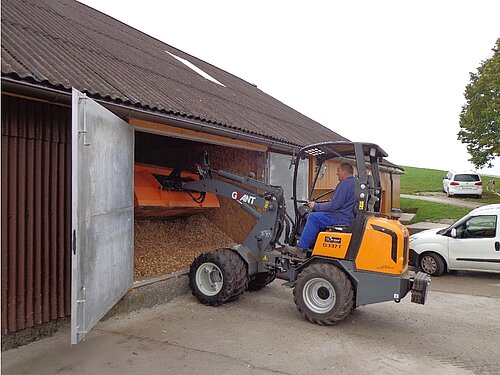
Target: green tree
[(480, 117)]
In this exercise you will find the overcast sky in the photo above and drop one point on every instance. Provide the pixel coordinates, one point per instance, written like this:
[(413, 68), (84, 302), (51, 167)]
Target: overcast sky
[(388, 72)]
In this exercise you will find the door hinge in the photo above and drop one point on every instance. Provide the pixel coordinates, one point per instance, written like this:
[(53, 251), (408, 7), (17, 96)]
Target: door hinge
[(84, 130), (74, 242)]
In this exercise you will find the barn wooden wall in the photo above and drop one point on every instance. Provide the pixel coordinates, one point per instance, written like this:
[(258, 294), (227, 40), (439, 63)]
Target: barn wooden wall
[(231, 218), (36, 213)]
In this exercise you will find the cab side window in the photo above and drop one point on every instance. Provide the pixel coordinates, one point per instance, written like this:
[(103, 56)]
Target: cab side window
[(478, 227)]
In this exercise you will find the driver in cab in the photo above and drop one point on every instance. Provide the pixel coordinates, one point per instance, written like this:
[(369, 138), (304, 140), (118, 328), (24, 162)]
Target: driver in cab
[(338, 211)]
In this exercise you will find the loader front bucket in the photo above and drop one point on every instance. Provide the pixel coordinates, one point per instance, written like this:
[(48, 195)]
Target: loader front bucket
[(153, 200)]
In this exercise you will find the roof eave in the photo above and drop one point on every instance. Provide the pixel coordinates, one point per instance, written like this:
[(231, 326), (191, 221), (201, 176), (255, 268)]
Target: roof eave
[(61, 96)]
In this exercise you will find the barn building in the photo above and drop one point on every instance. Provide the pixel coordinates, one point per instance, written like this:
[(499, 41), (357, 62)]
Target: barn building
[(61, 60)]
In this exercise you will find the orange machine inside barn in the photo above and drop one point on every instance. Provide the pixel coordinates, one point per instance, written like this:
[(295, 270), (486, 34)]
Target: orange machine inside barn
[(153, 200)]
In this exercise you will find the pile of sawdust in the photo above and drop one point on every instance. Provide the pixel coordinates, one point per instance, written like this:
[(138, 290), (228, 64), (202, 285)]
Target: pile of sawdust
[(166, 246)]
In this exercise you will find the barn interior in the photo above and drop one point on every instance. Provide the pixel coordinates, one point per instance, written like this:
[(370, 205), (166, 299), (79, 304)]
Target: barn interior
[(172, 228)]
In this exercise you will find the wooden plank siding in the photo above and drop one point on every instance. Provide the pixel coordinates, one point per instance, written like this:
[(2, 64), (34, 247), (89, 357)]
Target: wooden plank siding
[(36, 213)]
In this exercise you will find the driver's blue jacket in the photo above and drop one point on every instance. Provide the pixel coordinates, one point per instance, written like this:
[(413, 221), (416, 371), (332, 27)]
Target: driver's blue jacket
[(340, 210), (341, 206)]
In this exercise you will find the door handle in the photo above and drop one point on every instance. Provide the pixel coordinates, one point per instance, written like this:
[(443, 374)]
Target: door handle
[(497, 246)]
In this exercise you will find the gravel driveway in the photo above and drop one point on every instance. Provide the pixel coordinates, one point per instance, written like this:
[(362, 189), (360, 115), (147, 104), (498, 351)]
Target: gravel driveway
[(442, 198)]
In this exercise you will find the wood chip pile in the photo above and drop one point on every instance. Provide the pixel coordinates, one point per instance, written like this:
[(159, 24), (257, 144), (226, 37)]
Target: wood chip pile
[(166, 246)]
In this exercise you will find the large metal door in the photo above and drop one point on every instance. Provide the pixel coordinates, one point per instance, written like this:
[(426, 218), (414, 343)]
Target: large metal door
[(102, 217)]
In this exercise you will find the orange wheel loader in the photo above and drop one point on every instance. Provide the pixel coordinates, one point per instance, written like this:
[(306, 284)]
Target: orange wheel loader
[(347, 266)]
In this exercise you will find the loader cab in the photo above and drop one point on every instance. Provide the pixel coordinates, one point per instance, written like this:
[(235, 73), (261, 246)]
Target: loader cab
[(363, 240), (365, 157)]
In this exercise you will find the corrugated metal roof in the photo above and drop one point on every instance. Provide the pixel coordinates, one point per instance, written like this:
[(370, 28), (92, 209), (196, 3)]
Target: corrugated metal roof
[(64, 44)]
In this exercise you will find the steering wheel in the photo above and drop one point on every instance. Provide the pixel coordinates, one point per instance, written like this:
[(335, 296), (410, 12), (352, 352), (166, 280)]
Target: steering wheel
[(306, 202), (302, 201)]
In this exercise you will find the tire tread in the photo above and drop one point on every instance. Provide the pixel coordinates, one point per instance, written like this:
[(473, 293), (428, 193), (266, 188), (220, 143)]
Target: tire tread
[(343, 288), (233, 269)]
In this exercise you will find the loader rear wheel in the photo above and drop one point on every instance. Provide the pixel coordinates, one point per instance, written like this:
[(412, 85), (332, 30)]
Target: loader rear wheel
[(323, 294), (218, 277), (260, 281)]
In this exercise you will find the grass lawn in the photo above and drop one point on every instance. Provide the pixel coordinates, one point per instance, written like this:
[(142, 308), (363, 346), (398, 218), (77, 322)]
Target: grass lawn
[(430, 211), (418, 180), (421, 180)]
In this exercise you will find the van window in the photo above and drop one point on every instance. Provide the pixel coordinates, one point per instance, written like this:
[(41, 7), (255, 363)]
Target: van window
[(478, 227)]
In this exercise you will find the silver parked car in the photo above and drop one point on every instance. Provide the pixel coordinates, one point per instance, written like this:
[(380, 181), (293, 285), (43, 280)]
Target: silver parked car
[(472, 243)]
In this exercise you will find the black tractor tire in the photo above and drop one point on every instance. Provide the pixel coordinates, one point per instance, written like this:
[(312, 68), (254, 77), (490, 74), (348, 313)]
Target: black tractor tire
[(323, 294), (432, 263), (218, 277), (260, 281)]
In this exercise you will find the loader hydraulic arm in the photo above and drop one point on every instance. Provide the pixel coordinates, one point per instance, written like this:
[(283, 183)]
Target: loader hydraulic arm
[(270, 222), (243, 196)]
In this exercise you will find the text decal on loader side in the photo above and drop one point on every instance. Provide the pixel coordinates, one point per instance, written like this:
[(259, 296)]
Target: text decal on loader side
[(243, 198), (333, 239)]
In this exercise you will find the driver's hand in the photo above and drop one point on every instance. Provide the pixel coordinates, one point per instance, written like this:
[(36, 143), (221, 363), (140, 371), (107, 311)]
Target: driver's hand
[(311, 204)]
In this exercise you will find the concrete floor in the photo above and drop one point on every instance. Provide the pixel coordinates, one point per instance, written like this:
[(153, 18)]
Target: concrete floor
[(456, 332)]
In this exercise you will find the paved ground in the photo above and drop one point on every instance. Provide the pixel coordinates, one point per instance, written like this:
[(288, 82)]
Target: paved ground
[(263, 333)]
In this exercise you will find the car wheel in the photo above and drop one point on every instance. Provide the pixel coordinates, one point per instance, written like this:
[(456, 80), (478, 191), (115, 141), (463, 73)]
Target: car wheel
[(432, 264), (479, 196), (448, 193)]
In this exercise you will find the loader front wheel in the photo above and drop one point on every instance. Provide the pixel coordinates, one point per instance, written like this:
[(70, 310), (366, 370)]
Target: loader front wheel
[(217, 277), (323, 294)]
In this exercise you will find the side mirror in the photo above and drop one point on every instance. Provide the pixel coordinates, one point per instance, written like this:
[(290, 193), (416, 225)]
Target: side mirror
[(444, 177), (453, 232), (322, 172)]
